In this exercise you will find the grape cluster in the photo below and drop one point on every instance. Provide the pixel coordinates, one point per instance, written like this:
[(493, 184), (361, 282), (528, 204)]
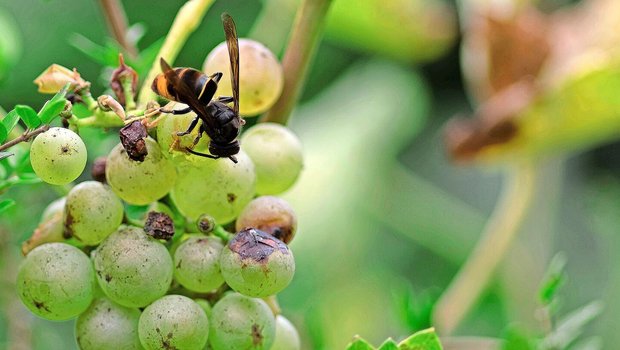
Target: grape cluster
[(197, 287)]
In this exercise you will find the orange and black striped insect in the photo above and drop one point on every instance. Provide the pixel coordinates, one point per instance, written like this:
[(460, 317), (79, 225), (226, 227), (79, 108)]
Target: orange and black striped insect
[(192, 87)]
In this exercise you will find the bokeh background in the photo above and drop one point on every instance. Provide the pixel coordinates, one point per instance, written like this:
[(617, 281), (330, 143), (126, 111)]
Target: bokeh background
[(386, 217)]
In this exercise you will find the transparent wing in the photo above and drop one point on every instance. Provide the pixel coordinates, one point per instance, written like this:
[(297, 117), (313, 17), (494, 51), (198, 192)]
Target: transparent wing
[(233, 52)]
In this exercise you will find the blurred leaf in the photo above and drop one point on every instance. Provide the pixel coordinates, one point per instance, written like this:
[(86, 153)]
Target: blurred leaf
[(571, 326), (28, 115), (22, 165), (3, 133), (592, 343), (6, 204), (359, 344), (10, 120), (4, 155), (389, 344), (516, 339), (415, 309), (54, 106), (106, 55), (555, 278), (147, 57), (422, 340)]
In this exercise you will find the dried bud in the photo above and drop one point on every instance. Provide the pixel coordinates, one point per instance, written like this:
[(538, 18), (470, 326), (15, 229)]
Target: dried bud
[(121, 76), (108, 103), (159, 225), (132, 138), (55, 77), (98, 170), (205, 223)]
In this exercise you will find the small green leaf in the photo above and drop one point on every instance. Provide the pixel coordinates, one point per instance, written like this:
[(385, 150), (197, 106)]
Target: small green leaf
[(359, 344), (571, 326), (389, 344), (54, 106), (3, 133), (422, 340), (10, 120), (27, 179), (28, 115), (6, 204), (553, 280), (516, 339)]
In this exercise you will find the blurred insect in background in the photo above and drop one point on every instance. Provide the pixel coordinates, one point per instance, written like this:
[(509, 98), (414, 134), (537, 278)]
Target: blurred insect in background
[(192, 87)]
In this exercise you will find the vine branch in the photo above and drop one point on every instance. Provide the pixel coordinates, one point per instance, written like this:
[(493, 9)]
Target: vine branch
[(24, 137), (302, 45), (117, 24), (500, 231)]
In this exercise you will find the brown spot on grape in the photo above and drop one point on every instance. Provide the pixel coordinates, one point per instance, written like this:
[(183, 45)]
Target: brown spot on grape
[(231, 197), (257, 336)]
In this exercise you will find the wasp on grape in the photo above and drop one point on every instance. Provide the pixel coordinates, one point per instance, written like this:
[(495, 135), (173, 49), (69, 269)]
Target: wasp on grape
[(196, 89)]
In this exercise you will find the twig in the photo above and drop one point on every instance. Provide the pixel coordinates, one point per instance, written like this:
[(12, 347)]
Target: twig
[(186, 21), (24, 137), (117, 24), (300, 51), (497, 237)]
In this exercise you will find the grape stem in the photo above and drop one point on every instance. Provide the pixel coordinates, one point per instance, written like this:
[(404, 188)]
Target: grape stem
[(302, 45), (500, 231), (24, 137), (186, 21), (220, 232)]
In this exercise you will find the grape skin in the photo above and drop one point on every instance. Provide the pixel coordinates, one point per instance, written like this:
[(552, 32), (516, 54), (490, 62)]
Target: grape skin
[(140, 183), (218, 187), (58, 156), (106, 325), (261, 78), (197, 264), (277, 156), (56, 281), (167, 129), (269, 214), (240, 322), (132, 268), (92, 212), (174, 322), (287, 337)]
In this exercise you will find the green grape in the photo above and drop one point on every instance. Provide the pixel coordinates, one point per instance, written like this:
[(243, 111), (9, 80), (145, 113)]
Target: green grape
[(206, 307), (52, 209), (173, 322), (132, 268), (50, 229), (218, 187), (240, 322), (92, 212), (106, 325), (140, 183), (257, 264), (260, 75), (197, 264), (277, 156), (173, 146), (56, 281), (269, 214), (287, 337), (58, 156)]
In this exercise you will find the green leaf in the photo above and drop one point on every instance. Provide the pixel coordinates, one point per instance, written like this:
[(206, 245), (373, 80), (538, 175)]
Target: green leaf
[(359, 344), (27, 179), (105, 55), (516, 339), (28, 115), (6, 204), (3, 133), (415, 308), (422, 340), (10, 120), (54, 106), (389, 344), (555, 277), (571, 326)]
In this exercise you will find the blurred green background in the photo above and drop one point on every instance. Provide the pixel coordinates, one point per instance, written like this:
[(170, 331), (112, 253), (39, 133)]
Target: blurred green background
[(384, 215)]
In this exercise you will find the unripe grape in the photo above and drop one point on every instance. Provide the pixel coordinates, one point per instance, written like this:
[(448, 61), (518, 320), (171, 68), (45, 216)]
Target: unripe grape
[(240, 322), (52, 209), (197, 264), (260, 75), (206, 307), (143, 182), (277, 156), (218, 187), (168, 127), (50, 229), (174, 322), (106, 325), (56, 281), (257, 264), (132, 268), (92, 212), (269, 214), (287, 337), (58, 156)]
